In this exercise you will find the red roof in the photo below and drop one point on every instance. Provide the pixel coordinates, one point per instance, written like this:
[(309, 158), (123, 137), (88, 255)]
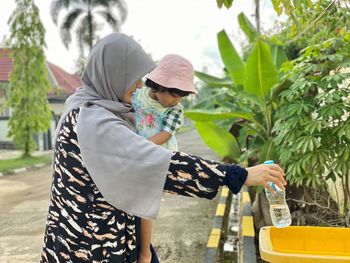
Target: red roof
[(5, 64), (67, 82)]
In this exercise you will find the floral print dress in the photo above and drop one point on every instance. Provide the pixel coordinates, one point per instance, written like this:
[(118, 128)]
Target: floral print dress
[(152, 117)]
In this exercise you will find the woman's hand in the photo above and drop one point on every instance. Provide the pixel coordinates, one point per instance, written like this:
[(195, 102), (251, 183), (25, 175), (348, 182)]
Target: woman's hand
[(145, 257), (264, 173)]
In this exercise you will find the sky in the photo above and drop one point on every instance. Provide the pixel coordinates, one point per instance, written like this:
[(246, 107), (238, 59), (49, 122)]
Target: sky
[(185, 27)]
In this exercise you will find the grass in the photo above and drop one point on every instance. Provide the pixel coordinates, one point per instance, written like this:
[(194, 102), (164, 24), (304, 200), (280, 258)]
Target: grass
[(20, 162)]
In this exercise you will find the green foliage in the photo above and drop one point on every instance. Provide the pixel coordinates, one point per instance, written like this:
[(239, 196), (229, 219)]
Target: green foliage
[(279, 5), (278, 55), (226, 3), (249, 30), (261, 72), (82, 16), (203, 115), (312, 22), (268, 150), (221, 141), (231, 58), (313, 128), (287, 6), (242, 106), (214, 81), (30, 112)]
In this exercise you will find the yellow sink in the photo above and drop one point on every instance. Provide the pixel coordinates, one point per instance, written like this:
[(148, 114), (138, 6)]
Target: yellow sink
[(304, 244)]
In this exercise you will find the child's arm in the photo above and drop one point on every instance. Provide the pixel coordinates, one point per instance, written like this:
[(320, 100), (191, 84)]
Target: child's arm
[(145, 240), (160, 138), (172, 122)]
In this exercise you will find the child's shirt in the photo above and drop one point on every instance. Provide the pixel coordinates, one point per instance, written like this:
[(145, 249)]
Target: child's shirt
[(152, 117)]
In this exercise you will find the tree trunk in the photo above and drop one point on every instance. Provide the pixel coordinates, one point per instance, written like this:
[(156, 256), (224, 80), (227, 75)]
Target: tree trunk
[(257, 14), (27, 150), (90, 26)]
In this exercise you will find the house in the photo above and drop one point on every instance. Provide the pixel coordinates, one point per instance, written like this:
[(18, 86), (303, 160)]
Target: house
[(62, 85)]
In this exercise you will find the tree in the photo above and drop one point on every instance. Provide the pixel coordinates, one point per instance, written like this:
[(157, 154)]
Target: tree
[(4, 42), (30, 112), (82, 16)]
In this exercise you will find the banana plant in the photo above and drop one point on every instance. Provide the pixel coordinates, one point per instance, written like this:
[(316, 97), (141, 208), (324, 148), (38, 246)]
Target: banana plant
[(249, 88)]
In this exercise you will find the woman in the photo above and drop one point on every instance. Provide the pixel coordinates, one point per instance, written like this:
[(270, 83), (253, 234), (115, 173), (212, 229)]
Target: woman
[(104, 174)]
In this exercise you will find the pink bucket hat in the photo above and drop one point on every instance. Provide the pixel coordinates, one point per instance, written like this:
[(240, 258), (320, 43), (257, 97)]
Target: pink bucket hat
[(174, 71)]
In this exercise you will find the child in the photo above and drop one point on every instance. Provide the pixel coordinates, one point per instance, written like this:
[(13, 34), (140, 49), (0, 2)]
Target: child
[(159, 114)]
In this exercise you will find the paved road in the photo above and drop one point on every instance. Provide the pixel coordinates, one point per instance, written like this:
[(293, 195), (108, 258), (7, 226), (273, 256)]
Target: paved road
[(23, 206), (180, 234), (183, 225)]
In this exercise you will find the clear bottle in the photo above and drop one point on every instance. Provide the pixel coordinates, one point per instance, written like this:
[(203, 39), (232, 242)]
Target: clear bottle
[(279, 210)]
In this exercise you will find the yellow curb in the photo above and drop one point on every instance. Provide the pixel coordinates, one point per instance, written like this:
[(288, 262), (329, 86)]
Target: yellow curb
[(246, 197), (248, 226), (220, 210), (224, 192), (214, 238)]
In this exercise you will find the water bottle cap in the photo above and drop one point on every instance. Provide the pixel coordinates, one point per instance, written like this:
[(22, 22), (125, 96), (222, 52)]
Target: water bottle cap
[(269, 162)]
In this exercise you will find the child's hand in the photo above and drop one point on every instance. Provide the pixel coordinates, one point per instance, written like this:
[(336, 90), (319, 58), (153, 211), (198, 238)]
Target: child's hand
[(145, 257)]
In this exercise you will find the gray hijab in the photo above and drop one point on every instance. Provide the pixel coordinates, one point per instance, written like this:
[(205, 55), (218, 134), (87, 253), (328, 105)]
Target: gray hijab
[(128, 170)]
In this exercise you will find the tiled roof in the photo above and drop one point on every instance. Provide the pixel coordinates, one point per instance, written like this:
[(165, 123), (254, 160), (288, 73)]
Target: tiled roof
[(5, 64), (67, 83)]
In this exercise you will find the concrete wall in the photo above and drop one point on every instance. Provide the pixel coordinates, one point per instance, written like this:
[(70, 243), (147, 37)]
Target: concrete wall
[(57, 108), (4, 130), (336, 191)]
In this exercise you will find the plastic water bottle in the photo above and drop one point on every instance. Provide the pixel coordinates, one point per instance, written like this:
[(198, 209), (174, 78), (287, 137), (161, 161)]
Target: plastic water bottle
[(279, 210)]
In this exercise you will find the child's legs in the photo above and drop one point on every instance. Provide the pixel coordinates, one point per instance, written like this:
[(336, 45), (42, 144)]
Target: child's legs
[(145, 237)]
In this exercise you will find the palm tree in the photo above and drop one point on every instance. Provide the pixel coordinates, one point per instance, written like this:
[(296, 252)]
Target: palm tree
[(81, 19)]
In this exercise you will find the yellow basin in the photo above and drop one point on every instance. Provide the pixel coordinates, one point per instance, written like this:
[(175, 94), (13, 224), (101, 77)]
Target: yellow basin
[(304, 244)]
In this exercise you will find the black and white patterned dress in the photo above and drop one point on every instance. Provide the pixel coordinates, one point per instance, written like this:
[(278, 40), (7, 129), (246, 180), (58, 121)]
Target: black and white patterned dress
[(83, 227)]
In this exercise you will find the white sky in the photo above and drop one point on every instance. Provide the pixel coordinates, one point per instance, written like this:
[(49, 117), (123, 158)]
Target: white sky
[(185, 27)]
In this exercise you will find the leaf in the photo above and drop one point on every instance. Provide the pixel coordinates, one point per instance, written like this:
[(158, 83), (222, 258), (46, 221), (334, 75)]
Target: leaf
[(242, 138), (277, 7), (277, 90), (204, 115), (279, 10), (261, 72), (247, 27), (219, 3), (268, 151), (278, 55), (231, 58), (297, 4), (209, 100), (276, 3), (213, 81), (257, 144), (313, 126), (228, 3), (218, 139)]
